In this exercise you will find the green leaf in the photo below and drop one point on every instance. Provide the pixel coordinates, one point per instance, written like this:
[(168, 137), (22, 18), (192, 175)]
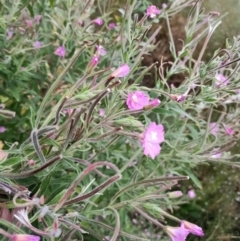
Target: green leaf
[(44, 185), (129, 121), (56, 199), (11, 226), (11, 161), (32, 117), (183, 113), (51, 2), (193, 178), (15, 93), (30, 9)]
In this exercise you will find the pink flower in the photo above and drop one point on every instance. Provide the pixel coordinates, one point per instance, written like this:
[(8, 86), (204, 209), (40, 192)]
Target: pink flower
[(181, 98), (94, 62), (152, 137), (154, 133), (102, 112), (151, 149), (214, 128), (152, 104), (221, 80), (216, 155), (111, 26), (2, 129), (152, 11), (137, 100), (68, 111), (178, 98), (122, 71), (9, 34), (164, 5), (191, 194), (98, 21), (29, 23), (37, 45), (100, 50), (192, 228), (60, 51), (177, 233), (37, 19), (229, 131), (24, 237)]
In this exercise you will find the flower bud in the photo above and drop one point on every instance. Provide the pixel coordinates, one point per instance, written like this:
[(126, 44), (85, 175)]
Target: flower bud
[(175, 194), (194, 229)]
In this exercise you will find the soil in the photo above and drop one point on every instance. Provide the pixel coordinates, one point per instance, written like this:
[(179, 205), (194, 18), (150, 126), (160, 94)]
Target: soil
[(162, 52)]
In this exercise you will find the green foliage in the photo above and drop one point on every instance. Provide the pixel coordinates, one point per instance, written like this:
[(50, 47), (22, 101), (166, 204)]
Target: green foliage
[(86, 171)]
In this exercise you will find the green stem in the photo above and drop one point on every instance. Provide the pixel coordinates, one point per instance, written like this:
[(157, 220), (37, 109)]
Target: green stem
[(55, 84)]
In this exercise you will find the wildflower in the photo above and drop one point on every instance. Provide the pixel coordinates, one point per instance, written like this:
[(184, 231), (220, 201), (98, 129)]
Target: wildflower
[(152, 11), (9, 34), (137, 100), (164, 5), (37, 45), (98, 21), (2, 129), (68, 111), (111, 26), (221, 80), (152, 137), (192, 228), (100, 50), (175, 194), (191, 194), (214, 128), (44, 211), (24, 237), (37, 19), (122, 71), (60, 51), (93, 63), (178, 98), (216, 155), (229, 131), (181, 98), (152, 104), (102, 112), (29, 23), (177, 233)]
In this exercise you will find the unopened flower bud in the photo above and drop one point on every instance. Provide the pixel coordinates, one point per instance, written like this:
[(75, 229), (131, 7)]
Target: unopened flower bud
[(93, 63), (152, 104), (31, 162), (175, 194)]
